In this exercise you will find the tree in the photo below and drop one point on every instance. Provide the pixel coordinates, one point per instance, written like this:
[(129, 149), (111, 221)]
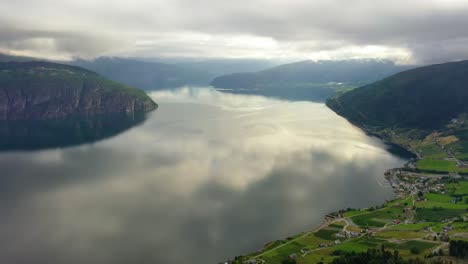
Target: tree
[(415, 250), (289, 261), (458, 248)]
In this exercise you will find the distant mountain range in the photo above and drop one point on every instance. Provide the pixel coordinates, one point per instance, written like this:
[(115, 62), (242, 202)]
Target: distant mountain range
[(156, 74), (219, 67), (145, 75), (306, 80), (316, 79), (426, 97)]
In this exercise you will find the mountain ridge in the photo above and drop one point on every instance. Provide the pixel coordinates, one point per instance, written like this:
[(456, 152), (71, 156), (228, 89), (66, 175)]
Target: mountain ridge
[(426, 97), (44, 90)]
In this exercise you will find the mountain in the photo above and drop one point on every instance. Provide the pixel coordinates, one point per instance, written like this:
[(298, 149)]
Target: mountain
[(7, 58), (424, 98), (160, 73), (145, 75), (319, 78), (218, 67), (43, 90)]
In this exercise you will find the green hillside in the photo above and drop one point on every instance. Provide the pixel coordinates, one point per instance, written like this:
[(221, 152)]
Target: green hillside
[(309, 80), (43, 90), (424, 109), (425, 98)]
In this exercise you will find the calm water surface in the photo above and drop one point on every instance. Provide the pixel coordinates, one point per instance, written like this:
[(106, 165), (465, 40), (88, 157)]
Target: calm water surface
[(206, 177)]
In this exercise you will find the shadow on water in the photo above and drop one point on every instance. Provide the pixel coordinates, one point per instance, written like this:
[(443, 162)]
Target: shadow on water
[(399, 151), (73, 131)]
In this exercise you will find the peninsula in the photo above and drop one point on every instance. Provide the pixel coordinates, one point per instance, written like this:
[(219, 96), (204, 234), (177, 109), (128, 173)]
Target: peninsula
[(44, 91)]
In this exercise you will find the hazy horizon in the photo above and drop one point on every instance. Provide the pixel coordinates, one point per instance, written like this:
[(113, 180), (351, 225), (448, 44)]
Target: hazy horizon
[(416, 32)]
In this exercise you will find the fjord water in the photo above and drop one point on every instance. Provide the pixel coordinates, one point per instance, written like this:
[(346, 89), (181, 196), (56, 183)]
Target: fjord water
[(207, 176)]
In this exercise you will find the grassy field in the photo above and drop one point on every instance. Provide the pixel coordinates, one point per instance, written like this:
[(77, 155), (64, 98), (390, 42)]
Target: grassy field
[(463, 156), (405, 248), (436, 165), (441, 201), (396, 234), (460, 188), (378, 218), (438, 215), (411, 227), (354, 212), (431, 151)]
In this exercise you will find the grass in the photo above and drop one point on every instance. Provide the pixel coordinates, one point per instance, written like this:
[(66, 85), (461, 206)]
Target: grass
[(318, 256), (459, 228), (378, 218), (430, 205), (432, 215), (277, 256), (441, 201), (395, 234), (312, 241), (338, 225), (411, 227), (326, 234), (460, 188), (463, 156), (406, 247), (432, 151), (436, 197), (360, 244), (429, 164), (353, 213)]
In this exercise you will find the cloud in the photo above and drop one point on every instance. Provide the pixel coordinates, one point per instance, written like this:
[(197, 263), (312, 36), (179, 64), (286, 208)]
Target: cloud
[(406, 31)]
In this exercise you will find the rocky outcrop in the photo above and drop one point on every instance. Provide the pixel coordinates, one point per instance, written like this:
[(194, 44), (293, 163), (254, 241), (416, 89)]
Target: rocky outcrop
[(39, 90)]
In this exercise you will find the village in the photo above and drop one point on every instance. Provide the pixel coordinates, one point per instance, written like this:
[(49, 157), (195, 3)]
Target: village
[(429, 210), (406, 183)]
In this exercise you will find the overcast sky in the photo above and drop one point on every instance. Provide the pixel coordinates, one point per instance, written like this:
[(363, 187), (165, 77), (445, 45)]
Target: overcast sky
[(416, 31)]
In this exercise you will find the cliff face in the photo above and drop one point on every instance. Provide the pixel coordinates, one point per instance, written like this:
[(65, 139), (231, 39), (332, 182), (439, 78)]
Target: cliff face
[(39, 90)]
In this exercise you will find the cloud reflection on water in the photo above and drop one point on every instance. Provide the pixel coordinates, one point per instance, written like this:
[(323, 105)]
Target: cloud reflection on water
[(206, 177)]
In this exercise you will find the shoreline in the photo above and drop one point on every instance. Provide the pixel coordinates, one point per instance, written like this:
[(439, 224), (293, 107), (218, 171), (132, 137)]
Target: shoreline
[(332, 217), (391, 176)]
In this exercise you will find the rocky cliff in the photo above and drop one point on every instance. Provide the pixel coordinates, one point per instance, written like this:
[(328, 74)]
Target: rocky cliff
[(41, 90)]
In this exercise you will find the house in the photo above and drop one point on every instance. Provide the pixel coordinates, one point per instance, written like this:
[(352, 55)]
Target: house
[(340, 235), (293, 256), (337, 242), (396, 221)]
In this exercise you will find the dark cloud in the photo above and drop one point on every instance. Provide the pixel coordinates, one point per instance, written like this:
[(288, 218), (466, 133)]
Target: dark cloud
[(56, 43), (414, 30)]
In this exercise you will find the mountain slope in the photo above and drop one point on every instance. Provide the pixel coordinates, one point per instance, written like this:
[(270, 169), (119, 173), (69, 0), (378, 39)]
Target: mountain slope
[(219, 67), (425, 98), (43, 90), (323, 77), (145, 75)]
